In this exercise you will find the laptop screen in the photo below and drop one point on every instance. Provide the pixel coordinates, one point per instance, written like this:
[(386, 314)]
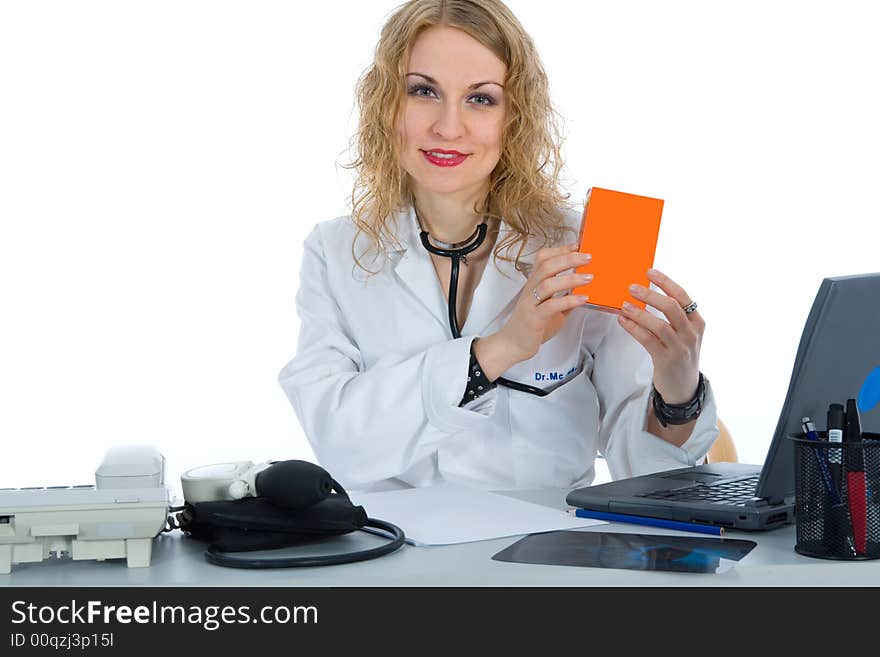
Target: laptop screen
[(838, 359)]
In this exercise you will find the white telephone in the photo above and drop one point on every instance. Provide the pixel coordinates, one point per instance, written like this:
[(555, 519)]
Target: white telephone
[(116, 518)]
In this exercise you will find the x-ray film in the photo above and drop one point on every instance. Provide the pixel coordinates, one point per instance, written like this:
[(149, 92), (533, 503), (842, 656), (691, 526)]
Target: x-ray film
[(682, 554)]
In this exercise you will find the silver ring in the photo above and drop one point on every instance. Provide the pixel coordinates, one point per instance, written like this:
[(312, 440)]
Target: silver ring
[(535, 294), (691, 307)]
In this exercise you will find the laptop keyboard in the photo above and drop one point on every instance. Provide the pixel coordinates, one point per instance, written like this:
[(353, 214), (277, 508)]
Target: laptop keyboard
[(735, 493)]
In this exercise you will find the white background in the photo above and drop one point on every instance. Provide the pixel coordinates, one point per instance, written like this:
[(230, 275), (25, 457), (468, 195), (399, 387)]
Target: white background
[(162, 162)]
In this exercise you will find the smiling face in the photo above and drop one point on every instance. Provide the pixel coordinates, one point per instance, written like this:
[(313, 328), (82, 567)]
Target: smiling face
[(454, 105)]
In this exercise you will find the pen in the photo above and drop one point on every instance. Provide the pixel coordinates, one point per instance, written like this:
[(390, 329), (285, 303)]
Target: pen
[(837, 517), (650, 522), (855, 476), (836, 420), (830, 488)]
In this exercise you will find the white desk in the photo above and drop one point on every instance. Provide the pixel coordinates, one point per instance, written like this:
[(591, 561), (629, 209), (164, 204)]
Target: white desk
[(179, 561)]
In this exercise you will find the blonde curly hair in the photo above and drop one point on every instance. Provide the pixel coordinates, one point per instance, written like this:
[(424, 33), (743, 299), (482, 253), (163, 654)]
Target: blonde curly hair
[(523, 187)]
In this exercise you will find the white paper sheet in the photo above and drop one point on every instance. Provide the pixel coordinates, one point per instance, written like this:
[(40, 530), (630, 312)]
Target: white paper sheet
[(450, 513)]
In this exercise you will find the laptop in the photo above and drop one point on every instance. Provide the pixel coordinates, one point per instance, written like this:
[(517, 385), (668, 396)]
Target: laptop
[(838, 351)]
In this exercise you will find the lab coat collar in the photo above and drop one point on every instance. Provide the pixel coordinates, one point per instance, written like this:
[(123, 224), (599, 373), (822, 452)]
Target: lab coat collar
[(498, 286)]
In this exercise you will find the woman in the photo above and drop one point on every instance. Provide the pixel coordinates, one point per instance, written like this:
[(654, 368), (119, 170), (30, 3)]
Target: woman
[(517, 384)]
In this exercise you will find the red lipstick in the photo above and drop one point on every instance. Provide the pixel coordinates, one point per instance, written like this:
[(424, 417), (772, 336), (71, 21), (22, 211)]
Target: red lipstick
[(453, 161)]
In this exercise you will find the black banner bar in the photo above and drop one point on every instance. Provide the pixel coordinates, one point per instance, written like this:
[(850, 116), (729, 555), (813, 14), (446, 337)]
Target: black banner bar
[(130, 621)]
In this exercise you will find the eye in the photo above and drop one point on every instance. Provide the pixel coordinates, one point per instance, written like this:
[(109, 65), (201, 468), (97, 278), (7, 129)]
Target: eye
[(489, 100), (414, 90)]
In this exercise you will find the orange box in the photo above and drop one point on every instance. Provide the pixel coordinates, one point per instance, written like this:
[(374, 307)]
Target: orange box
[(620, 231)]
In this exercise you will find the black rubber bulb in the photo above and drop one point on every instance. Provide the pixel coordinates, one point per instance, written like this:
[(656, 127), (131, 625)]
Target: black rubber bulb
[(294, 484)]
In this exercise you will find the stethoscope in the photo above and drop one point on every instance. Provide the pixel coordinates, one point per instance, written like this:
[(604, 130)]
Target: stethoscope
[(457, 252)]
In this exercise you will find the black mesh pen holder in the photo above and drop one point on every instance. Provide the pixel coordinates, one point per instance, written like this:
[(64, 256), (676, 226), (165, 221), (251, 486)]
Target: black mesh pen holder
[(840, 519)]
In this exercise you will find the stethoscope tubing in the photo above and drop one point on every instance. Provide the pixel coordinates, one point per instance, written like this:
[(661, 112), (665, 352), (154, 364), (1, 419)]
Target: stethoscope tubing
[(456, 255)]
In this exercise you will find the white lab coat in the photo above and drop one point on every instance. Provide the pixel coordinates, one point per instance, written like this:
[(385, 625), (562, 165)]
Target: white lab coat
[(377, 379)]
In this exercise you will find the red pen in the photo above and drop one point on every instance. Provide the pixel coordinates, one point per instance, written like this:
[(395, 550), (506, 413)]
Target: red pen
[(855, 477)]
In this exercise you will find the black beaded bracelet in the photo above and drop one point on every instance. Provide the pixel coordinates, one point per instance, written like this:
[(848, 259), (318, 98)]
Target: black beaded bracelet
[(477, 382)]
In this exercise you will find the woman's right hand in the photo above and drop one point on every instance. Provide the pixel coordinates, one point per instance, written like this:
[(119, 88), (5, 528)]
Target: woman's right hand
[(539, 315)]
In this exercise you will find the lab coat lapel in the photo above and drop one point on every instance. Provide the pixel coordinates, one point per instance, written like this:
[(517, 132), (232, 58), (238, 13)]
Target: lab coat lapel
[(498, 287), (415, 271), (499, 284)]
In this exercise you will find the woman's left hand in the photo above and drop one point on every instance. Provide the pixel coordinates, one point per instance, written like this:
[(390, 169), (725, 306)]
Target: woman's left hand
[(674, 345)]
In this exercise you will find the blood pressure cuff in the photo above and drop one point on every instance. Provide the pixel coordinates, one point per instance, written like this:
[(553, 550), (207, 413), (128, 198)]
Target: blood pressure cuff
[(253, 523)]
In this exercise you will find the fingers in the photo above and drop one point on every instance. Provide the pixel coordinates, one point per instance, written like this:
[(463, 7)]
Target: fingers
[(667, 305), (676, 292), (560, 305), (643, 336), (669, 286), (670, 304), (662, 330), (681, 334), (545, 254), (548, 287), (549, 262)]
